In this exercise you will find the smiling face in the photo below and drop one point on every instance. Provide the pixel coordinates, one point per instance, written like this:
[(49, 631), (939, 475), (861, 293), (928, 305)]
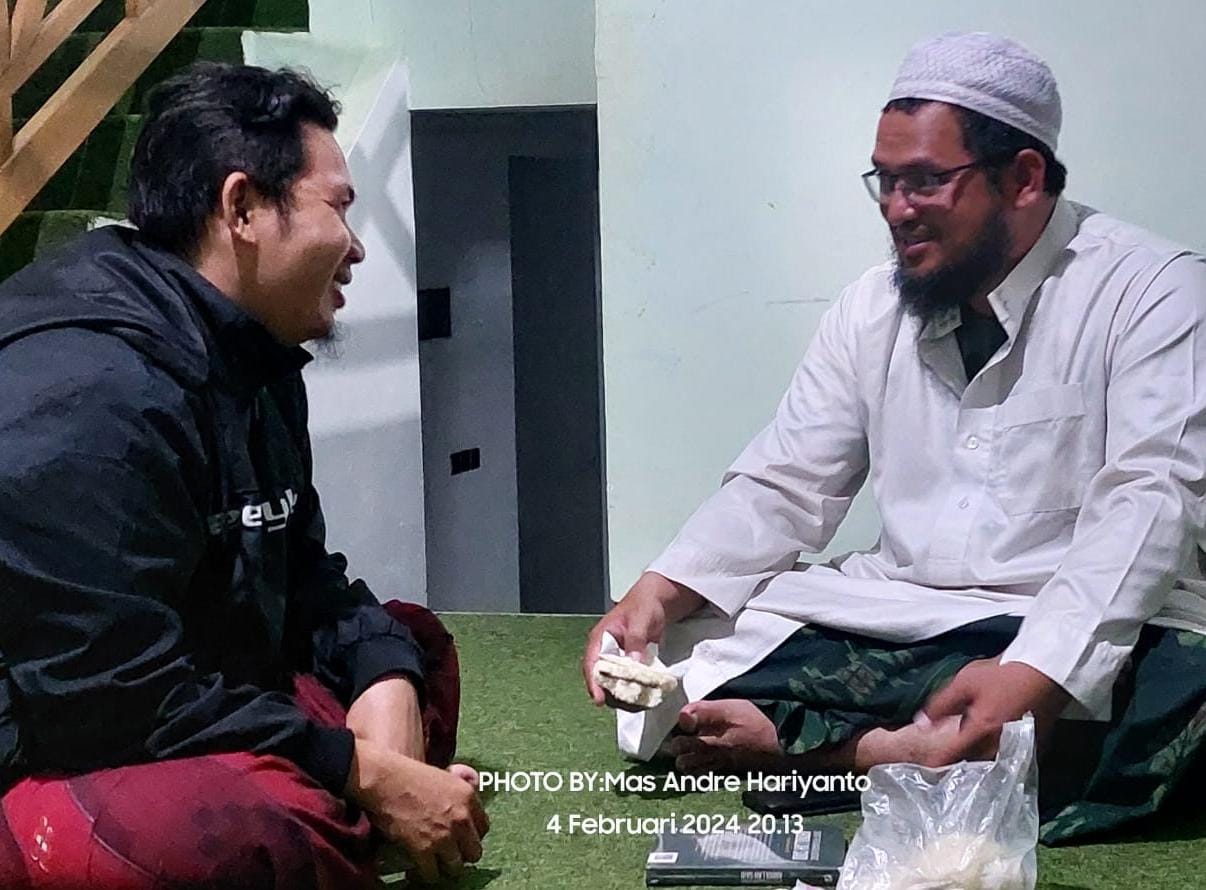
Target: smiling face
[(954, 243), (304, 258)]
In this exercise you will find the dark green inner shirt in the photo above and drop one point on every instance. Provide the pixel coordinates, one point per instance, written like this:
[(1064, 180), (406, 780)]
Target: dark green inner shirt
[(979, 336)]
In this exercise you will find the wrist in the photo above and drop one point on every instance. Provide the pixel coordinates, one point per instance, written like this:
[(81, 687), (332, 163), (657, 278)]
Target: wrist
[(677, 600), (375, 771)]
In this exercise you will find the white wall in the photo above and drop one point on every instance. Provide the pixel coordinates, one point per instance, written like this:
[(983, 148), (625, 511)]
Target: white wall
[(475, 53), (364, 406), (731, 139)]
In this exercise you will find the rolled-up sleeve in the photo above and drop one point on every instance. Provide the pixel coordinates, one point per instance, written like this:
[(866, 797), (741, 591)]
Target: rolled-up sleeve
[(355, 641)]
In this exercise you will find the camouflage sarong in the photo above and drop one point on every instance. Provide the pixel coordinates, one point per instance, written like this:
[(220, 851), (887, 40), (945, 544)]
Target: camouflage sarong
[(822, 687)]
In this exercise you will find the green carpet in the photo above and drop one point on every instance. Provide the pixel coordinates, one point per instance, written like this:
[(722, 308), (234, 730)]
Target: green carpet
[(524, 709)]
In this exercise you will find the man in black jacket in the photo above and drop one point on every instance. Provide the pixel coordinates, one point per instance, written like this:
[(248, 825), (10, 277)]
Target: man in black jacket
[(163, 575)]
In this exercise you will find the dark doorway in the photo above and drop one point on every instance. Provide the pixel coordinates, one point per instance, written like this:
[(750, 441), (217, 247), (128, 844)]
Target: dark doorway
[(506, 219), (558, 411)]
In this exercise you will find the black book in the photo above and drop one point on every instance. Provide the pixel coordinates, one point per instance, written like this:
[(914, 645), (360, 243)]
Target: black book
[(742, 859)]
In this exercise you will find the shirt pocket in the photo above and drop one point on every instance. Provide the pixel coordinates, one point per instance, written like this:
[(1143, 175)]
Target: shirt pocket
[(1041, 460)]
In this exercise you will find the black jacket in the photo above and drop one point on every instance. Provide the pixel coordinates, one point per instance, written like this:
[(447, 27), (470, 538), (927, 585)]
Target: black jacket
[(162, 559)]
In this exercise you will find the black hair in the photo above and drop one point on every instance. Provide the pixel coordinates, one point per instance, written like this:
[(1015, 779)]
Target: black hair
[(211, 120), (985, 137)]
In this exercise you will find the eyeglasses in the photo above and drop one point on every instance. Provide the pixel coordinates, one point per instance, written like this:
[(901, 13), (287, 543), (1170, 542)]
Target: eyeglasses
[(919, 186)]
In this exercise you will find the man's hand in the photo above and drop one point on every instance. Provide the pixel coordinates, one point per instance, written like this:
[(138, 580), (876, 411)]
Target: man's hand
[(986, 695), (639, 619), (435, 814), (387, 715)]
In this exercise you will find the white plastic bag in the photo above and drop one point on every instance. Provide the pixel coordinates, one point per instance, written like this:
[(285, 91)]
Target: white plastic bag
[(969, 826)]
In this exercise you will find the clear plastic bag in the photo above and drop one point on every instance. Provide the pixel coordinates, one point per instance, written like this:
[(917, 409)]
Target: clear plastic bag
[(969, 826)]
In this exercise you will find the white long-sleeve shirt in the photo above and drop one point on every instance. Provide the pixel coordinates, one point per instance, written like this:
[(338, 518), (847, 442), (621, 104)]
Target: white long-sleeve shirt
[(1063, 483)]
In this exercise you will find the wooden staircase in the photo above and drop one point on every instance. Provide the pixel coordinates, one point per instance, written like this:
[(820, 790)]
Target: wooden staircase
[(74, 117)]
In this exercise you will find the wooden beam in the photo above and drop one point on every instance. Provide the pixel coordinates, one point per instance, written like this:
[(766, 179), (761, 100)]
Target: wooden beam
[(57, 27), (135, 8), (64, 122), (6, 128), (6, 99), (27, 21), (6, 39)]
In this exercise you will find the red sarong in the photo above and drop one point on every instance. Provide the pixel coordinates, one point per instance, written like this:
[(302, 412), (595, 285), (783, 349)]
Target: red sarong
[(232, 821)]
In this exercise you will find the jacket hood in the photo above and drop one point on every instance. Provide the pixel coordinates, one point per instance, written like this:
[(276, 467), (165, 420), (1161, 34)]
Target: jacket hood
[(113, 280)]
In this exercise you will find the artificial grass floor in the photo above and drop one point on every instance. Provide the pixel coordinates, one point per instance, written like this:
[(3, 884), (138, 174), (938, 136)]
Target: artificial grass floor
[(524, 709)]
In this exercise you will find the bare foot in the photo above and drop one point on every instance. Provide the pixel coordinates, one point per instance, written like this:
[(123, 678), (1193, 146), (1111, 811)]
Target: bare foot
[(923, 743), (732, 735), (725, 736)]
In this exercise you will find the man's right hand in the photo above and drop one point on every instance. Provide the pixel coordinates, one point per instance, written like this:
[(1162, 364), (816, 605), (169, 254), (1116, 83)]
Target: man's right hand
[(435, 814), (639, 619)]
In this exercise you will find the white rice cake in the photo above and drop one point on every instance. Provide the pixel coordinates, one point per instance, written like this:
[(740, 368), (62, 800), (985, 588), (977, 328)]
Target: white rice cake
[(637, 685)]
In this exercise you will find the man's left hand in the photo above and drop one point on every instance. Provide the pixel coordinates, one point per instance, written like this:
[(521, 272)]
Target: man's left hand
[(387, 715), (986, 695)]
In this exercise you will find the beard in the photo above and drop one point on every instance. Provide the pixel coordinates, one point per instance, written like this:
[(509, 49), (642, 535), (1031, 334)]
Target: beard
[(330, 346), (953, 284)]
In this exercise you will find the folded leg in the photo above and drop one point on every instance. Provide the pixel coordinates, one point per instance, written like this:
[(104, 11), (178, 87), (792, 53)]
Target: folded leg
[(851, 699), (225, 820)]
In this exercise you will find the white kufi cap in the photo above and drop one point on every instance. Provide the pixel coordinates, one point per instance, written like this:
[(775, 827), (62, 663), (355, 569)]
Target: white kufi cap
[(983, 72)]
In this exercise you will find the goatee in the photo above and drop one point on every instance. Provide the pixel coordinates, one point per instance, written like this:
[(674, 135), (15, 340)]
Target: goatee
[(953, 284), (330, 347)]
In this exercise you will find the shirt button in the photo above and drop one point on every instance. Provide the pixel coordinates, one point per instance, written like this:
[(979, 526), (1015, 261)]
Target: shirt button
[(972, 443), (964, 503)]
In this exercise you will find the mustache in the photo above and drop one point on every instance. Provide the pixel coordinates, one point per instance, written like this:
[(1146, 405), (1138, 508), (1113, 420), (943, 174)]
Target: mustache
[(958, 278), (911, 234)]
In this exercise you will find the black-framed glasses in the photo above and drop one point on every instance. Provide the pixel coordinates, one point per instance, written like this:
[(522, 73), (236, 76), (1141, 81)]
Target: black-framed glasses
[(919, 185)]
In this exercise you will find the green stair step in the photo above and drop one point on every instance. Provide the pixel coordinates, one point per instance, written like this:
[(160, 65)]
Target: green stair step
[(191, 44), (33, 233), (93, 181), (95, 176), (231, 13)]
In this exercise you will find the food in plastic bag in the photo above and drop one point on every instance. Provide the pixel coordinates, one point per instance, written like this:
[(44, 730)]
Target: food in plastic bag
[(968, 826)]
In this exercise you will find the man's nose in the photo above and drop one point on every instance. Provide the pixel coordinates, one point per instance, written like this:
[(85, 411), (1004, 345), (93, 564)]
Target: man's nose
[(356, 250), (896, 209)]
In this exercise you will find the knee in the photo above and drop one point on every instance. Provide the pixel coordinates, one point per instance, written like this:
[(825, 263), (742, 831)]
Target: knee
[(247, 844), (220, 834)]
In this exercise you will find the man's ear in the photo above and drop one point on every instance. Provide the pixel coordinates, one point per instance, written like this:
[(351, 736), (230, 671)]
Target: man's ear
[(237, 203), (1029, 171)]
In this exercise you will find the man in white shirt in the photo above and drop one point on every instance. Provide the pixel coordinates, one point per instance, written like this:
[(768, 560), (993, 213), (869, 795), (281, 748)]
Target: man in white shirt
[(1025, 387)]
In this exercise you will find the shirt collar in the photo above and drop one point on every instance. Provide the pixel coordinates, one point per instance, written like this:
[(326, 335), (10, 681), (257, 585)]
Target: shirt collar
[(1011, 297)]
